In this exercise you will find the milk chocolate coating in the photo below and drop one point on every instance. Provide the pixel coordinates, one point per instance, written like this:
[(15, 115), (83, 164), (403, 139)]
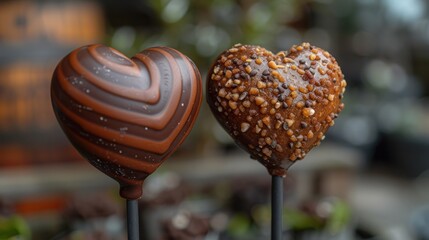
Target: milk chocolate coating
[(278, 106), (126, 116)]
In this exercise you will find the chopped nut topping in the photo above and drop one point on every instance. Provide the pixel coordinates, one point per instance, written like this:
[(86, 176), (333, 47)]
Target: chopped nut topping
[(245, 126), (232, 105), (243, 95), (246, 103), (261, 84), (228, 74), (259, 100), (235, 96), (303, 90), (216, 69), (253, 91), (278, 124), (233, 50), (308, 112), (300, 104), (289, 122), (267, 121), (285, 126), (229, 83), (267, 152), (272, 64), (222, 92), (248, 69), (326, 54)]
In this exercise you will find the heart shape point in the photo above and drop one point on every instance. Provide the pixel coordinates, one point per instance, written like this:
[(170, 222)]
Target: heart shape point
[(277, 107), (126, 116)]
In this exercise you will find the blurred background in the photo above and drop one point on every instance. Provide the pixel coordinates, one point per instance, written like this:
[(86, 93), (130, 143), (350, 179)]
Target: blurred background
[(367, 180)]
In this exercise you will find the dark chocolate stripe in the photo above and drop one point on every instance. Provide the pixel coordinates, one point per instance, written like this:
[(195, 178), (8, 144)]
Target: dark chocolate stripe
[(87, 83), (189, 74)]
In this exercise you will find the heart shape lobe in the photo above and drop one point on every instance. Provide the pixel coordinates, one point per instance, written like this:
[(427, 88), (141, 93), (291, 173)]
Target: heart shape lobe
[(126, 116), (276, 106)]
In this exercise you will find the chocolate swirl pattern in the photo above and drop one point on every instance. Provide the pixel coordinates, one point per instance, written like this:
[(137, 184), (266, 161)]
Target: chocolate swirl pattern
[(126, 116)]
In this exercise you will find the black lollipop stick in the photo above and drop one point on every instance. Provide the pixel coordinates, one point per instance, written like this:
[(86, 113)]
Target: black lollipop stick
[(276, 207), (133, 219)]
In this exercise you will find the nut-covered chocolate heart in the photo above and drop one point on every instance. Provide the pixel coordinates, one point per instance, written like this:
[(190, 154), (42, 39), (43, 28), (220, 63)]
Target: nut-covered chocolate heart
[(126, 116), (276, 106)]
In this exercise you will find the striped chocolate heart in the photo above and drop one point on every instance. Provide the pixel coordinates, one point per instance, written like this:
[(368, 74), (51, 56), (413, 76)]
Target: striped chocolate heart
[(126, 116)]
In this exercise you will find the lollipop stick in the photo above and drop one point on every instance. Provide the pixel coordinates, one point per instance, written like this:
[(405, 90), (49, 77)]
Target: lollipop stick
[(276, 207), (133, 219)]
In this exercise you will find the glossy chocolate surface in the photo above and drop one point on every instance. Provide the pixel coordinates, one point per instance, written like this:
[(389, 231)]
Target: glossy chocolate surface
[(126, 116), (278, 106)]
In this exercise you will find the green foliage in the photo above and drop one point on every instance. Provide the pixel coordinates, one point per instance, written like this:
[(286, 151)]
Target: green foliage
[(203, 29), (339, 218), (14, 228), (239, 225), (295, 219), (298, 220)]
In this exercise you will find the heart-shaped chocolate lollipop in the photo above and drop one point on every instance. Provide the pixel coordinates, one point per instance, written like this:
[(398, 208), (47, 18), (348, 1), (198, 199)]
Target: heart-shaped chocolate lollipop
[(126, 116), (276, 107)]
